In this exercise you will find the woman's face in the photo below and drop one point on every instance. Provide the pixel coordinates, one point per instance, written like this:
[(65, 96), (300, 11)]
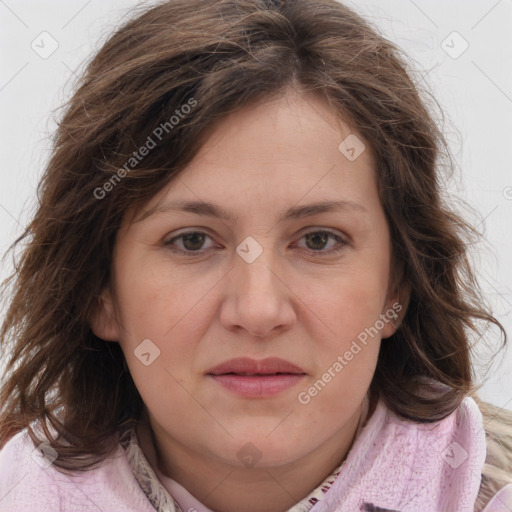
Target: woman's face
[(276, 278)]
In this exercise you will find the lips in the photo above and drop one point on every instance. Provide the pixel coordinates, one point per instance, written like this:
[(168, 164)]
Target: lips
[(246, 367), (252, 379)]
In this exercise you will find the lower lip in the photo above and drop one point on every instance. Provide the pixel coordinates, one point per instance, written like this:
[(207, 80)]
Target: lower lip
[(258, 386)]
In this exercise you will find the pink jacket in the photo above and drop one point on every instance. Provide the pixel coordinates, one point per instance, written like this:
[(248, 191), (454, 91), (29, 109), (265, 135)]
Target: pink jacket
[(394, 465)]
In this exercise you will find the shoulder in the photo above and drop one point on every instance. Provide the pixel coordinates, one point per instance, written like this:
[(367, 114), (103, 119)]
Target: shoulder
[(442, 460), (30, 481), (496, 484), (432, 466), (24, 483), (463, 431), (460, 434)]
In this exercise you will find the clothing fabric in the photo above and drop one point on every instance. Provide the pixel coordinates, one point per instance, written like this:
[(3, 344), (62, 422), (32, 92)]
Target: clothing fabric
[(393, 465), (173, 497), (165, 494)]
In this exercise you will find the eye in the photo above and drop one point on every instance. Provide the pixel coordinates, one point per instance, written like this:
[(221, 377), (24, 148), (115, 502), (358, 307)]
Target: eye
[(192, 242), (317, 240)]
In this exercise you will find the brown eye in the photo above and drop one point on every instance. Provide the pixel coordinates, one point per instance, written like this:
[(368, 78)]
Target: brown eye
[(191, 242), (316, 241)]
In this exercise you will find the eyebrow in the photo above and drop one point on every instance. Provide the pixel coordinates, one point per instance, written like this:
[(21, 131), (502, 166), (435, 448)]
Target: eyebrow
[(216, 211)]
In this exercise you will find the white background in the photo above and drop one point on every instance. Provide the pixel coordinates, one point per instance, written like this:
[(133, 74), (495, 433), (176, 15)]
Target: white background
[(474, 91)]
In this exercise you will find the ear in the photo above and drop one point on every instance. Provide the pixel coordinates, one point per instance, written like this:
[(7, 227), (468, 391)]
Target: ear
[(395, 308), (103, 319)]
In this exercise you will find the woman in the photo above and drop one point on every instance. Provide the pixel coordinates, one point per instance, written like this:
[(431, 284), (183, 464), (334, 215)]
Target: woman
[(237, 365)]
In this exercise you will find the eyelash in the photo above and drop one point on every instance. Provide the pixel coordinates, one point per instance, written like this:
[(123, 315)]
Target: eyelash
[(341, 241)]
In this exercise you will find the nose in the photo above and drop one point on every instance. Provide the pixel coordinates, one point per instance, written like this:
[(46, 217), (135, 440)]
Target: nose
[(258, 299)]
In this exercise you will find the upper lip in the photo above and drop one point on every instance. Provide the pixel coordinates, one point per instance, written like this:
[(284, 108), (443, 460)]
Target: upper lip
[(245, 365)]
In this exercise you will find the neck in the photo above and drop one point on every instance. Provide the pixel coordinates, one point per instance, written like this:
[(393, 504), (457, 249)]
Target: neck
[(223, 487)]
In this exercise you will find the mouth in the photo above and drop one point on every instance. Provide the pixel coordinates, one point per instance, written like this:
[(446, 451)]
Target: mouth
[(245, 366), (245, 374), (257, 379)]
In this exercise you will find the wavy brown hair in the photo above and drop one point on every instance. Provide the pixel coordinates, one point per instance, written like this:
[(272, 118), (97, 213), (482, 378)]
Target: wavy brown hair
[(222, 55)]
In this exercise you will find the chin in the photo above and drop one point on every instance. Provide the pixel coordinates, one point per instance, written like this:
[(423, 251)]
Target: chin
[(260, 450)]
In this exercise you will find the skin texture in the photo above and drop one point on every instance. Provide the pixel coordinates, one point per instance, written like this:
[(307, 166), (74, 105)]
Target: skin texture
[(296, 301)]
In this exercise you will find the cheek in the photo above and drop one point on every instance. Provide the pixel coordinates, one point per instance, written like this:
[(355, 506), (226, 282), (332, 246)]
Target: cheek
[(159, 308), (350, 348), (171, 309), (347, 301), (343, 322), (158, 297)]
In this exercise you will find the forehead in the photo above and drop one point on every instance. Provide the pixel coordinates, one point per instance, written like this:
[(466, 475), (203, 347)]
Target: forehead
[(290, 128), (274, 153)]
